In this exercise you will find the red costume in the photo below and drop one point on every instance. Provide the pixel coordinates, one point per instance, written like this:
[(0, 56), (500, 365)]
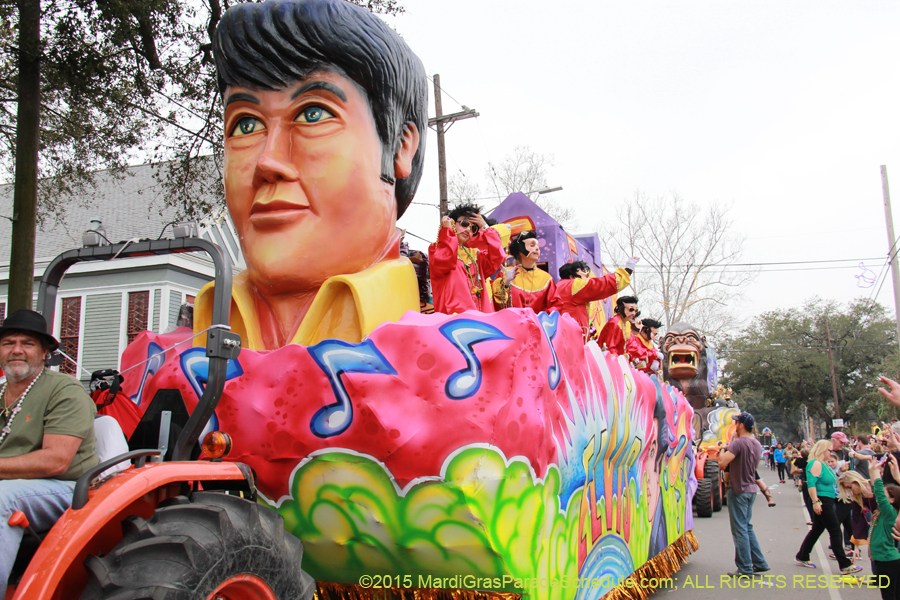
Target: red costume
[(642, 352), (614, 334), (459, 273), (532, 289), (572, 295)]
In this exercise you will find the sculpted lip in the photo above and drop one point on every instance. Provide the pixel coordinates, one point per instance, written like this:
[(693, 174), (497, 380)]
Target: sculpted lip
[(262, 208), (276, 213)]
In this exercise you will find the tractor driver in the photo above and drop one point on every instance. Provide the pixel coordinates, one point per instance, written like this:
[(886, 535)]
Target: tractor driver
[(47, 440), (325, 114)]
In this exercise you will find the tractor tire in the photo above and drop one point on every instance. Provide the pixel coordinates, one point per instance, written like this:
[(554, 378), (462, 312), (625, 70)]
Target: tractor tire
[(213, 546), (711, 472), (703, 498)]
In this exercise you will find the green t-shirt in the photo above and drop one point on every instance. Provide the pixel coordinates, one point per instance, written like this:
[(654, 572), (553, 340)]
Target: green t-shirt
[(57, 404), (824, 483), (882, 545)]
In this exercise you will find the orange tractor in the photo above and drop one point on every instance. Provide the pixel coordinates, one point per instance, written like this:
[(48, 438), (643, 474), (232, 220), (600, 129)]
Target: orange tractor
[(159, 529)]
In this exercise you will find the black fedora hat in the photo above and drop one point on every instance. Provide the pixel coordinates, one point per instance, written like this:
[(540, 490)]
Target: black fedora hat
[(31, 322)]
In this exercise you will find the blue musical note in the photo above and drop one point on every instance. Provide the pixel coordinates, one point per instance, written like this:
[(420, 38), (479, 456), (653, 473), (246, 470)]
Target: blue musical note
[(549, 323), (155, 359), (195, 366), (336, 357), (465, 333)]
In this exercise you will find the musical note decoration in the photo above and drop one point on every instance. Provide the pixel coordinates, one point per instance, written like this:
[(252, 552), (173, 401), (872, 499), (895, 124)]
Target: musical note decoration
[(464, 334), (336, 357), (155, 359), (549, 324)]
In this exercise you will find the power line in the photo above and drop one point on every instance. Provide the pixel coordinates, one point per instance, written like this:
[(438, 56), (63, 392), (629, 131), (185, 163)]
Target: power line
[(785, 348), (788, 262)]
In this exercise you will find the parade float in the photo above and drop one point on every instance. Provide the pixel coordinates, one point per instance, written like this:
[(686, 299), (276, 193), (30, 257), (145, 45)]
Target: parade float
[(472, 455)]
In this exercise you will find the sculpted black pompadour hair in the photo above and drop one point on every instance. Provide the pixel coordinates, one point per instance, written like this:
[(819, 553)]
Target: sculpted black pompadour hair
[(272, 45), (517, 246)]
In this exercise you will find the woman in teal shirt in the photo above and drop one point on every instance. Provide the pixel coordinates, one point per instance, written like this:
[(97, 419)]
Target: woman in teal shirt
[(820, 480)]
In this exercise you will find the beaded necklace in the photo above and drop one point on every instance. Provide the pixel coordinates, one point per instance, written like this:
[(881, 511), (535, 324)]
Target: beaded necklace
[(474, 280), (10, 412)]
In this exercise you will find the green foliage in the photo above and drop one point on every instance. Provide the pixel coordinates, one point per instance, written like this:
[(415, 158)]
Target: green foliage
[(487, 518), (783, 357)]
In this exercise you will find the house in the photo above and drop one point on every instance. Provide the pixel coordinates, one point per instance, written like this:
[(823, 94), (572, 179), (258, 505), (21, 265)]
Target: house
[(101, 307)]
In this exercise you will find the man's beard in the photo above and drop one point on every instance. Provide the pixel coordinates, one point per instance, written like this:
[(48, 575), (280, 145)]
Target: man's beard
[(17, 371)]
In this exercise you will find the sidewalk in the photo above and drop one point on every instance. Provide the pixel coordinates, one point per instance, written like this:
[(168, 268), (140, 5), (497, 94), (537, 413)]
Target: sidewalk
[(780, 530)]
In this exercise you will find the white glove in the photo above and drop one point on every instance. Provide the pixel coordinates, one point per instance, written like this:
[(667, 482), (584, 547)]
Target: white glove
[(654, 366), (509, 274), (631, 262)]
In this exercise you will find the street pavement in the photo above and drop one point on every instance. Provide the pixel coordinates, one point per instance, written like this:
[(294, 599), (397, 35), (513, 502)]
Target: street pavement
[(780, 530)]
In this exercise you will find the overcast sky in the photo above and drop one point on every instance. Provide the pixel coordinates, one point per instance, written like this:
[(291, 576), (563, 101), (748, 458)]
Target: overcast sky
[(784, 109)]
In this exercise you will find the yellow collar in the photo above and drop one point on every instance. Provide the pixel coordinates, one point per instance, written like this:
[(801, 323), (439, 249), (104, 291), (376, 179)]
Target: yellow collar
[(347, 307), (467, 255), (534, 280)]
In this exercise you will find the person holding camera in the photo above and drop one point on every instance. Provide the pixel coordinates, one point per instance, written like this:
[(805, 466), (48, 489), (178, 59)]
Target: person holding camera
[(466, 254)]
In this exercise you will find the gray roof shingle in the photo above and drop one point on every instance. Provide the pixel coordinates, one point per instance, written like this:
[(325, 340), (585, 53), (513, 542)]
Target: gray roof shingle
[(130, 207)]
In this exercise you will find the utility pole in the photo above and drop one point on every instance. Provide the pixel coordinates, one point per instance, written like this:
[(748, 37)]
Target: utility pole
[(892, 251), (834, 385), (438, 122)]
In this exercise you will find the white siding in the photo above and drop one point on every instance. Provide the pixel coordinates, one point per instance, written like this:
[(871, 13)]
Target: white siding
[(154, 320)]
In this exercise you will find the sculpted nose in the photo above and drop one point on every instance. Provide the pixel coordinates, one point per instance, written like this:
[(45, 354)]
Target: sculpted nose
[(275, 163)]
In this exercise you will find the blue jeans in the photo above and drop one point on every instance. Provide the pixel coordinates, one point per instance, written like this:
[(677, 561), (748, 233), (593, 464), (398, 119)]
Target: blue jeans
[(747, 554), (42, 500)]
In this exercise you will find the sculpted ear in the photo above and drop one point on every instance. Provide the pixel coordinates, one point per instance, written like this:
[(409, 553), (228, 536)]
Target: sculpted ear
[(409, 143)]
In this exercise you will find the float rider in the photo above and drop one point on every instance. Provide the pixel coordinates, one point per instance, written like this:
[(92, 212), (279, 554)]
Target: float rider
[(641, 347), (467, 253), (530, 287), (325, 111), (618, 330), (576, 288), (47, 440)]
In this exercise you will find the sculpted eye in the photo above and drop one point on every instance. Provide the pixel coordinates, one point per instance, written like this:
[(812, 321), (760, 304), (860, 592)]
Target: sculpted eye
[(246, 126), (314, 114)]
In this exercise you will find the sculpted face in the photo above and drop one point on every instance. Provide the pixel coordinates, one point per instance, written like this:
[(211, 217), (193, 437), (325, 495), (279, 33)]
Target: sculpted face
[(302, 181), (682, 350)]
